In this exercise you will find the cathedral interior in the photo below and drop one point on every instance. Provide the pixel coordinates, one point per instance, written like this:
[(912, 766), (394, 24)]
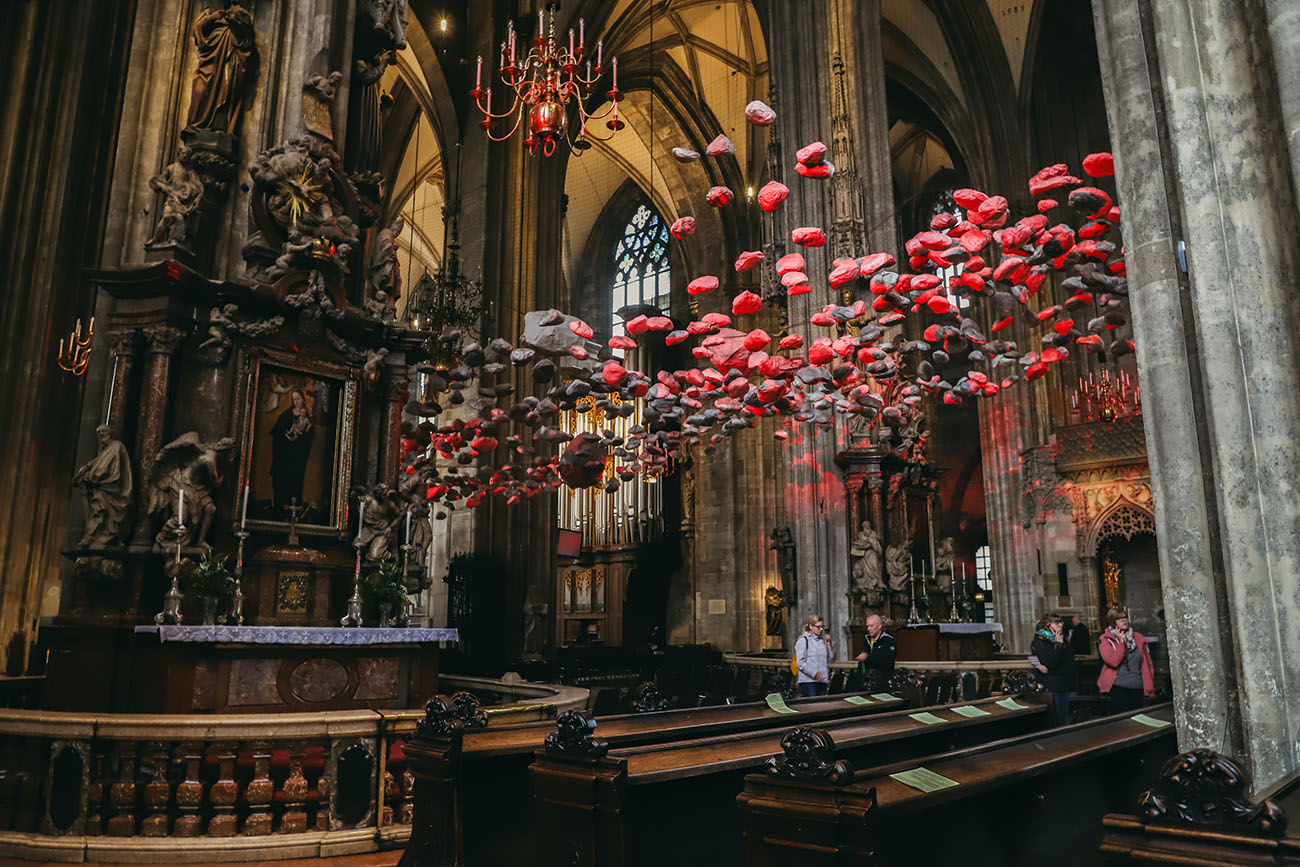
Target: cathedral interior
[(475, 433)]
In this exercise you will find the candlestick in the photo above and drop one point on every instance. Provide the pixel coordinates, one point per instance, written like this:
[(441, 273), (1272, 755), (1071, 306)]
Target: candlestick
[(582, 33), (478, 72), (570, 44), (600, 52), (408, 525), (541, 23), (353, 617), (243, 514), (614, 71), (180, 507)]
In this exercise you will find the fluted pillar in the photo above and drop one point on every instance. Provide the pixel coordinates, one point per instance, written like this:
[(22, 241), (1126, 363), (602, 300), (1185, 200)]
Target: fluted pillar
[(1202, 165)]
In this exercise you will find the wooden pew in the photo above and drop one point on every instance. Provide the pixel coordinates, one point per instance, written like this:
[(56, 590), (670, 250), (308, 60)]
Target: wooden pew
[(602, 807), (471, 780), (1029, 799), (1197, 813)]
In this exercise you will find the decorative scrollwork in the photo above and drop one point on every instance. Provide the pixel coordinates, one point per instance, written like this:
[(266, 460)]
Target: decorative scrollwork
[(465, 708), (810, 755), (647, 698), (575, 736), (439, 720), (1020, 681), (1201, 787), (779, 681)]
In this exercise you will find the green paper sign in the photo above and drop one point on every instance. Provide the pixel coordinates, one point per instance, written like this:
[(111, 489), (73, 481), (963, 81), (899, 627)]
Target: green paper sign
[(969, 711), (857, 699), (1149, 721), (927, 718), (777, 703), (883, 696), (1011, 704), (924, 780)]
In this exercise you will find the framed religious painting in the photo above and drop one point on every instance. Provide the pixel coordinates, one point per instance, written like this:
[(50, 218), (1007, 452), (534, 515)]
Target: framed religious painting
[(299, 428)]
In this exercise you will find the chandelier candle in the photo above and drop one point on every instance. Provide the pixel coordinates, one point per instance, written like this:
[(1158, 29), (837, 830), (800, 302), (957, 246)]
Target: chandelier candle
[(549, 85)]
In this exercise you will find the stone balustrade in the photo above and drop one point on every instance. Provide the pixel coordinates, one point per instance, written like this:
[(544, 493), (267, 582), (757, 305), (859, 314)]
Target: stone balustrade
[(251, 787)]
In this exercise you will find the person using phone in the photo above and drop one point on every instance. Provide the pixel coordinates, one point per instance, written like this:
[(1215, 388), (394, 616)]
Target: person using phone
[(1056, 667), (1127, 675)]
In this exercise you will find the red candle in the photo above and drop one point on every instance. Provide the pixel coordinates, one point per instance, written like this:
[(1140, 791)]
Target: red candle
[(614, 66), (478, 73)]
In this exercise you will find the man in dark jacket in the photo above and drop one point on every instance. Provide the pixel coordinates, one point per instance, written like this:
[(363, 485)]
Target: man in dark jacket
[(1056, 656), (879, 651), (1079, 637)]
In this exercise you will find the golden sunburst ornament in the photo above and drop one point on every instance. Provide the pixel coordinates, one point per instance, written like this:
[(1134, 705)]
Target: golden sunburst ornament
[(301, 192)]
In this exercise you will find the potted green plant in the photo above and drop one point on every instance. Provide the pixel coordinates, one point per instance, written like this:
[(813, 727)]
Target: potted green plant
[(212, 581), (387, 589)]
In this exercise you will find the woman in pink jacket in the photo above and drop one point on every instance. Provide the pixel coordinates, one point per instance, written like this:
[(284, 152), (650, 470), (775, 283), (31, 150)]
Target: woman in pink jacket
[(1126, 670)]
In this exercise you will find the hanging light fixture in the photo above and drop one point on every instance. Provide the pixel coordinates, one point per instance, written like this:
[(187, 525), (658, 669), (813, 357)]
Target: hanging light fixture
[(545, 81), (446, 299)]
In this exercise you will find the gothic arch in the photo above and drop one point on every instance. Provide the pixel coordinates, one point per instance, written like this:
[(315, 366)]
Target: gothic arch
[(1124, 519)]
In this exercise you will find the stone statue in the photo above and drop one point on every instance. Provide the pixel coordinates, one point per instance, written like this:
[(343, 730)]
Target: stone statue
[(775, 603), (377, 527), (194, 467), (221, 321), (943, 557), (898, 565), (108, 485), (227, 49), (783, 544), (373, 367), (865, 553), (535, 608), (182, 190), (410, 495), (385, 273)]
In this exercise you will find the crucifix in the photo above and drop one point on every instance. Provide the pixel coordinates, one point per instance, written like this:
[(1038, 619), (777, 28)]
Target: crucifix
[(295, 511)]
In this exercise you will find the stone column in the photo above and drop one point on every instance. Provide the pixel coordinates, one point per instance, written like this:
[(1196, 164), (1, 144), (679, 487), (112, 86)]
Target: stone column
[(865, 60), (1283, 18), (1200, 159), (853, 486), (163, 340), (125, 346)]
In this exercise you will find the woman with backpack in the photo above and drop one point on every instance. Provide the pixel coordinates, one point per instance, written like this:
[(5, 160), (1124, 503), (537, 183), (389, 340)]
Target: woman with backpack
[(813, 653)]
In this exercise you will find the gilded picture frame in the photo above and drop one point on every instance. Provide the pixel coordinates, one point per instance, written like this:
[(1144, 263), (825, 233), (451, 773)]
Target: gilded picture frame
[(298, 432)]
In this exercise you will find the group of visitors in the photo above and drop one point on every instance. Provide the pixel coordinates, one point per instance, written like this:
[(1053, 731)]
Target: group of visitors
[(814, 652), (1127, 675)]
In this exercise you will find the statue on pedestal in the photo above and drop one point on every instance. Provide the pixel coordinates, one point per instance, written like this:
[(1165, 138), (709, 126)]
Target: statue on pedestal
[(227, 49), (775, 605), (385, 273), (376, 536), (866, 570), (943, 557), (783, 545), (192, 467), (107, 483), (898, 565), (182, 190)]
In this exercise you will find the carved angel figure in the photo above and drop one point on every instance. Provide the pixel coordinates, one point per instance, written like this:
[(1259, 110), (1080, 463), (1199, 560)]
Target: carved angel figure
[(182, 191), (411, 495), (186, 464), (378, 524), (898, 565), (943, 557), (108, 484), (866, 556)]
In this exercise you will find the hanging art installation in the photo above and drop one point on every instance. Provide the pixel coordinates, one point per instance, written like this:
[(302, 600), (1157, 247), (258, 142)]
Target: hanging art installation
[(861, 366)]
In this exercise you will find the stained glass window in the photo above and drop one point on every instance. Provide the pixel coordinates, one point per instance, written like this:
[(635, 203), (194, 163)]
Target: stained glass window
[(641, 265)]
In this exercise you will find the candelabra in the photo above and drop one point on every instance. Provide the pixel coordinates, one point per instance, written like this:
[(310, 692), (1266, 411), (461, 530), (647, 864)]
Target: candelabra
[(913, 616), (353, 617), (237, 603), (1106, 397), (954, 616), (545, 81), (171, 612)]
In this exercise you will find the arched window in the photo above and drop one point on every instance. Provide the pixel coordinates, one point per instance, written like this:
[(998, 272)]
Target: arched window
[(640, 265), (984, 581)]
